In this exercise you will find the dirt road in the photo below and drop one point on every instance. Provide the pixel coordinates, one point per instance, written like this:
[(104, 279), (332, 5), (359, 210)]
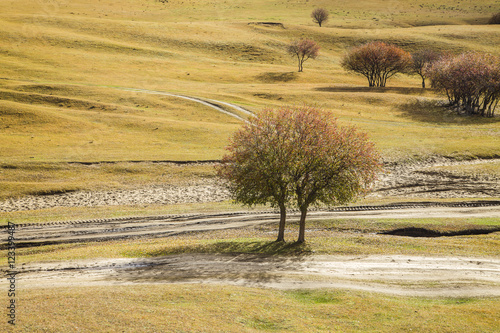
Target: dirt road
[(160, 226), (390, 274), (395, 275)]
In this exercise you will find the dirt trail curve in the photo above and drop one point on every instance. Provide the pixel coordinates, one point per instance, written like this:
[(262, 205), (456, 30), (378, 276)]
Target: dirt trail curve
[(214, 104)]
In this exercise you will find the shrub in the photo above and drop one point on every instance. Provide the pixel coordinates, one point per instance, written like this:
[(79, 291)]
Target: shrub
[(421, 60)]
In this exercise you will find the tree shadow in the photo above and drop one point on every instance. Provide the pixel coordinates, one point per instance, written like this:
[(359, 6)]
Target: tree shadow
[(239, 247), (397, 90), (252, 262), (434, 111), (272, 77), (423, 232)]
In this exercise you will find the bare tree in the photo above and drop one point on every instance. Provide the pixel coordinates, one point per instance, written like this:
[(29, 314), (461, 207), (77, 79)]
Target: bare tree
[(303, 49), (421, 60), (319, 15)]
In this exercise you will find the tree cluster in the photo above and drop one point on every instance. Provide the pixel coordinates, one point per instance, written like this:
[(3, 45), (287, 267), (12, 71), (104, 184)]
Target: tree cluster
[(297, 156), (471, 81)]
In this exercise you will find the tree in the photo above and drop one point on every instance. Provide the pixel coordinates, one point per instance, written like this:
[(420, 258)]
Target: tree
[(421, 60), (297, 156), (471, 81), (303, 49), (377, 61), (319, 15)]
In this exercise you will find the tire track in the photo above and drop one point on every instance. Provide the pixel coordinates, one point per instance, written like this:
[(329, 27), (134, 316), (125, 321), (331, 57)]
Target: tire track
[(29, 235), (214, 104)]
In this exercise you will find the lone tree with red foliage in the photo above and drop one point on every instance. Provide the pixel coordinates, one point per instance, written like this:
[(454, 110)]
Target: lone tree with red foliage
[(377, 61), (319, 15), (471, 81), (297, 156), (421, 60), (303, 49)]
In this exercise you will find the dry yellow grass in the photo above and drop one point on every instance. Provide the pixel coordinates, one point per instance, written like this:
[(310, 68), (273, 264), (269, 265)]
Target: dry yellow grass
[(74, 50), (195, 308), (61, 62)]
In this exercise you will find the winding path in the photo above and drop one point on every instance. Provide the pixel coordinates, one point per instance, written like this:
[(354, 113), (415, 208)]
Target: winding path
[(214, 104)]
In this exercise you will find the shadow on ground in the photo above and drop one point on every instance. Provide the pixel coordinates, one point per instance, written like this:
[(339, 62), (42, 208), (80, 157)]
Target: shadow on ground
[(432, 111), (423, 232), (270, 77), (396, 90), (239, 247)]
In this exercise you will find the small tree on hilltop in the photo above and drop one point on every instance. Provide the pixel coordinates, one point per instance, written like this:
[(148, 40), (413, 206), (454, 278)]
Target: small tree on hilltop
[(421, 60), (377, 61), (297, 156), (303, 49), (319, 15)]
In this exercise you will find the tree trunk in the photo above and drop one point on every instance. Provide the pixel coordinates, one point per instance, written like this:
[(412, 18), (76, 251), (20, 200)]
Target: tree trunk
[(423, 82), (281, 231), (302, 226)]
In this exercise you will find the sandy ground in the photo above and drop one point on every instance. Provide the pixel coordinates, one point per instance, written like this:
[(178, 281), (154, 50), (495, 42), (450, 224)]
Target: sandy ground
[(413, 180), (395, 274)]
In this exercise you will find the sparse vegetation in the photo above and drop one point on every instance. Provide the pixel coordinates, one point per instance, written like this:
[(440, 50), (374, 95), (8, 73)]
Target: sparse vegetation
[(64, 67)]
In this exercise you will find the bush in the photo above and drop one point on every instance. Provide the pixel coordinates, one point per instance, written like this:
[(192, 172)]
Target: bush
[(471, 81)]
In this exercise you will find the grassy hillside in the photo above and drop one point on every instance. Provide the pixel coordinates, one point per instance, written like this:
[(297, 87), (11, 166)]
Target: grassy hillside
[(65, 67)]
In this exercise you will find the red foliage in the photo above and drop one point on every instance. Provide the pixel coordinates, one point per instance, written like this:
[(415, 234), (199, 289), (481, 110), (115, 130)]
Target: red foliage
[(377, 61), (471, 81), (303, 49), (298, 156)]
